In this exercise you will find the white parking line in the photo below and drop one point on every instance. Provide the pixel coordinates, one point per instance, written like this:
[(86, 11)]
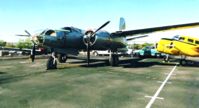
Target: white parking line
[(156, 97), (160, 88), (168, 74), (162, 82)]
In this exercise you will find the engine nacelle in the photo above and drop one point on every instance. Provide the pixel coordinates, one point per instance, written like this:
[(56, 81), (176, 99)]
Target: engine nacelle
[(104, 41)]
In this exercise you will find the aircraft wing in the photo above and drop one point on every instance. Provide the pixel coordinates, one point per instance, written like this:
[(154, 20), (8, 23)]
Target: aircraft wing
[(153, 29)]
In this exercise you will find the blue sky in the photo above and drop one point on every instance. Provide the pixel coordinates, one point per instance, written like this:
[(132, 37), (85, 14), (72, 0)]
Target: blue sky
[(33, 15)]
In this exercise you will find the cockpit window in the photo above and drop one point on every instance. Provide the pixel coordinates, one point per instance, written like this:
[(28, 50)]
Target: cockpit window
[(50, 32), (176, 37), (181, 39), (197, 42), (190, 40), (53, 34)]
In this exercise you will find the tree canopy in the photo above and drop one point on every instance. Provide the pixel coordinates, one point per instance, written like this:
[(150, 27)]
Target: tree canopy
[(2, 43), (24, 43), (140, 46)]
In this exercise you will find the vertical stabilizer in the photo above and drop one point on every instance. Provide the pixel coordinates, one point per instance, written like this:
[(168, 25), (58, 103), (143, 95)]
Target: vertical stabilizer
[(122, 24)]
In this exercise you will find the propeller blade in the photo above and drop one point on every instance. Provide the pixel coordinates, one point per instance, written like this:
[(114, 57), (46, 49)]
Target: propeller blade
[(102, 26), (88, 38), (33, 53), (28, 32), (23, 35), (88, 54), (33, 42)]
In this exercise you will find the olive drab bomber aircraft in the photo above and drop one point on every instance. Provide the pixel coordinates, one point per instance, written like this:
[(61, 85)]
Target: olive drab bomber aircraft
[(70, 40), (179, 45)]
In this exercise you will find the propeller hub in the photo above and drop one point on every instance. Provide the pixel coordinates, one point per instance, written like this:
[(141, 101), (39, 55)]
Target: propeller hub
[(40, 39), (89, 38)]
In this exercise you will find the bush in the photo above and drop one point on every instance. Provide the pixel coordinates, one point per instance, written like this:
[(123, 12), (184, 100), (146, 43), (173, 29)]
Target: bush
[(24, 44)]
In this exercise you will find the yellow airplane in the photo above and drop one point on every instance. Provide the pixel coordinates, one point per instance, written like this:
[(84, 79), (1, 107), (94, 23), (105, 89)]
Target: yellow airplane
[(179, 45)]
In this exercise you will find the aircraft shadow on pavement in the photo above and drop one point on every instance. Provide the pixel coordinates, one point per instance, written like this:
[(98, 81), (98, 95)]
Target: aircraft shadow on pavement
[(2, 73), (137, 63), (190, 63), (126, 63), (7, 78), (129, 63)]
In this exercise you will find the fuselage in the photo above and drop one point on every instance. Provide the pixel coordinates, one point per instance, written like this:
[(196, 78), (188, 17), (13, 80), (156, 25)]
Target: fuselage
[(74, 38), (182, 45)]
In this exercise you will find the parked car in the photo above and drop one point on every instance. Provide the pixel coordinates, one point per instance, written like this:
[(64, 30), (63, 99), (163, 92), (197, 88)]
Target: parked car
[(147, 52), (101, 53), (127, 52)]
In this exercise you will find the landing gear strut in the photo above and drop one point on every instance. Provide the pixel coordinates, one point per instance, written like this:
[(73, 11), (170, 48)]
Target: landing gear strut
[(183, 60), (166, 58), (113, 59), (51, 63)]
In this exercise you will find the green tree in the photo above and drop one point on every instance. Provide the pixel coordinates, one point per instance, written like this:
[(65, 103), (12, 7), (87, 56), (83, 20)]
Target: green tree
[(139, 46), (24, 44), (135, 46), (2, 43), (147, 44), (10, 45)]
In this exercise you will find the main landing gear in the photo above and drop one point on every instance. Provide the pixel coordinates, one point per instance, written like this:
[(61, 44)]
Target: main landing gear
[(62, 58), (183, 60), (166, 58), (52, 60), (113, 59)]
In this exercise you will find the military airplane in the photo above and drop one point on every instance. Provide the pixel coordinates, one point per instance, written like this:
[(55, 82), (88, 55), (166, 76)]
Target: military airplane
[(70, 40), (179, 45)]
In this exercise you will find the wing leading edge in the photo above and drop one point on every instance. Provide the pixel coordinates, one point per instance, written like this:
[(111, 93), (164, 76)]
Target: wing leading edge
[(153, 29)]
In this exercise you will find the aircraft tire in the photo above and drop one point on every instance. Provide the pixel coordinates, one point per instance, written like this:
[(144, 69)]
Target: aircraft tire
[(114, 60), (183, 62), (166, 59), (157, 55), (50, 64), (62, 58), (95, 54)]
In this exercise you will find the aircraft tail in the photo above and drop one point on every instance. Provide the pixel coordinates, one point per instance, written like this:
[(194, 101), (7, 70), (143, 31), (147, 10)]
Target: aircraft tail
[(122, 24)]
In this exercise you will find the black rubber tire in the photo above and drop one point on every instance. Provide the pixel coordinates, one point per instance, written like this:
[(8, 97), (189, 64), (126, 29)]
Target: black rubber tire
[(62, 58), (183, 62), (166, 59), (114, 60), (50, 64), (157, 55)]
